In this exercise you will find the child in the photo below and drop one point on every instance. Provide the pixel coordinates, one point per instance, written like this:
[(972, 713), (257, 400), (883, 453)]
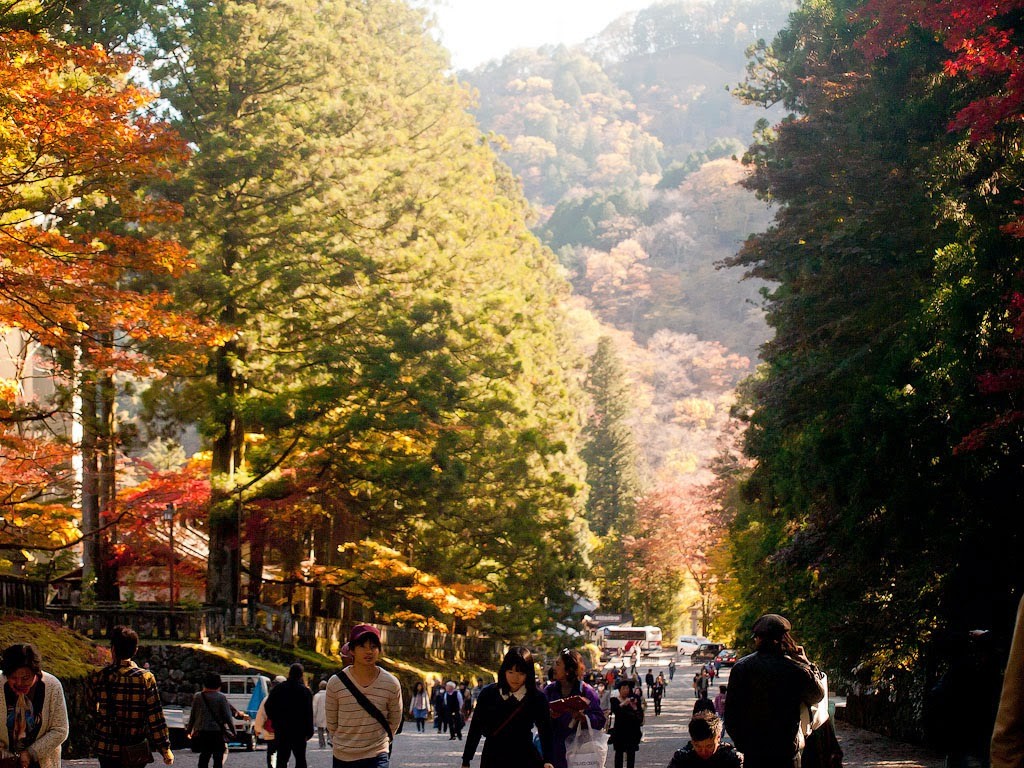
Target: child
[(706, 749)]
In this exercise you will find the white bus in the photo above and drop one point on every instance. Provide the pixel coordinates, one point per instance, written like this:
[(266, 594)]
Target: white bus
[(623, 640)]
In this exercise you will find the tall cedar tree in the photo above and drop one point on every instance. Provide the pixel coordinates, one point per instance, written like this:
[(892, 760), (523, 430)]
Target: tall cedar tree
[(862, 519), (611, 457), (398, 342)]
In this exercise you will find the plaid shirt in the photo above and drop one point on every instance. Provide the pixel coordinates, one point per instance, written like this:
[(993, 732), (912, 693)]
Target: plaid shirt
[(125, 707)]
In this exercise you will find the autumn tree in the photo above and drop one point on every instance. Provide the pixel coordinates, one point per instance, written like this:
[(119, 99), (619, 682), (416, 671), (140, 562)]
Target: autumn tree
[(78, 235)]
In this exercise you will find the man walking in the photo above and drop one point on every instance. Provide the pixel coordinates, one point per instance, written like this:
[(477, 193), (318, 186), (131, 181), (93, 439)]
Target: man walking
[(364, 705), (766, 692), (124, 704), (290, 708)]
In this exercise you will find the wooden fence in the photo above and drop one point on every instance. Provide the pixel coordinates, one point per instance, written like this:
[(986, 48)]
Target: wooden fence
[(22, 594), (96, 621)]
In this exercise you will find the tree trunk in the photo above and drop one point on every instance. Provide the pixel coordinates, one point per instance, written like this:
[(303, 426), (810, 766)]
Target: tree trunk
[(106, 485), (92, 554), (222, 566)]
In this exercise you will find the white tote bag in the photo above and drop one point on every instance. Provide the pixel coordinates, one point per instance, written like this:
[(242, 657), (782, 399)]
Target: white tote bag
[(813, 717), (588, 748)]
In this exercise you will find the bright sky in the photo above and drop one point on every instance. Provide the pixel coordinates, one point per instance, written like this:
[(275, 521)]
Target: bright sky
[(476, 31)]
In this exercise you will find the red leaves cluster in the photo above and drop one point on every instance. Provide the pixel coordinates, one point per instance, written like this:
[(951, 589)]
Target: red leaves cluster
[(981, 50)]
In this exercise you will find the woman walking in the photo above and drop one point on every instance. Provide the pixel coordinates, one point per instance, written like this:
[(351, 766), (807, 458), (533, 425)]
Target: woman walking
[(628, 714), (210, 723), (505, 715), (418, 706), (581, 701), (35, 716)]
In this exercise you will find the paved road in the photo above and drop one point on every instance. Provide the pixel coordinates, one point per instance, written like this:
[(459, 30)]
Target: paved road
[(662, 736)]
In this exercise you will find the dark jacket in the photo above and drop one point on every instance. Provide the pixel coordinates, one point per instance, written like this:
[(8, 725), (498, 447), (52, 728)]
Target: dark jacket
[(626, 733), (512, 746), (725, 757), (762, 709), (290, 707), (211, 713)]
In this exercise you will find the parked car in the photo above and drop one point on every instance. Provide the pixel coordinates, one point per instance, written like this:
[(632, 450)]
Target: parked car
[(726, 657), (706, 652)]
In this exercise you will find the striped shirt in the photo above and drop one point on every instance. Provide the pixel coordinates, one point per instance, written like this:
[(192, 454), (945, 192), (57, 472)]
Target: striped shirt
[(125, 707), (355, 733)]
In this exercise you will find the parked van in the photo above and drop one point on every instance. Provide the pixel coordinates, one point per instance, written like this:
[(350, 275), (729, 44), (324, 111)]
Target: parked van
[(690, 643)]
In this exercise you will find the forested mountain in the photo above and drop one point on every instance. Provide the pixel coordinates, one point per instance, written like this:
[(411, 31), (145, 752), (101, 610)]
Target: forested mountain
[(628, 147), (611, 140)]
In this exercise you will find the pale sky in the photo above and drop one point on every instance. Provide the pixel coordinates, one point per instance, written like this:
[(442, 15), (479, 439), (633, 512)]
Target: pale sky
[(476, 31)]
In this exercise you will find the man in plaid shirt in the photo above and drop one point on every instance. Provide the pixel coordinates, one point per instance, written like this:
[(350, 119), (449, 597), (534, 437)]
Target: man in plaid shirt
[(124, 703)]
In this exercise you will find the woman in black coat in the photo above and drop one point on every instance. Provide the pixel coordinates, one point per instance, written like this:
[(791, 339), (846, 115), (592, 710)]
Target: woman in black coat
[(505, 715), (626, 731)]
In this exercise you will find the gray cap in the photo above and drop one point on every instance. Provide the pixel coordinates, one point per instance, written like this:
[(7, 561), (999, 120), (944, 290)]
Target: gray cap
[(772, 625)]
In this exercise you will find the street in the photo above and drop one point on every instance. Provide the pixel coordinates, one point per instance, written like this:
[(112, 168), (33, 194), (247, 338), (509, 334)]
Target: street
[(662, 736)]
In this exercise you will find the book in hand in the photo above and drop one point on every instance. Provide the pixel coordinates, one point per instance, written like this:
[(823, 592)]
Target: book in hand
[(575, 703)]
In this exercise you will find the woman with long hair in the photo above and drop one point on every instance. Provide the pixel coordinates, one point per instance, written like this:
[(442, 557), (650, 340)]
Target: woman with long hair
[(568, 684), (418, 706), (505, 715)]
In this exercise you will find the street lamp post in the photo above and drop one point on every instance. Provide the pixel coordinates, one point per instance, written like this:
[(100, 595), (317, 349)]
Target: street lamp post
[(169, 517)]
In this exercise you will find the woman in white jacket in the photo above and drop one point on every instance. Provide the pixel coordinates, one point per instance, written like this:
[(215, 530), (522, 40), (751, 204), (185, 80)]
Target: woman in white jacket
[(35, 721)]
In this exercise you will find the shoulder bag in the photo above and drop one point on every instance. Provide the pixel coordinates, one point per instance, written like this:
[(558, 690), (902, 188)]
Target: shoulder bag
[(228, 731), (507, 720), (366, 704)]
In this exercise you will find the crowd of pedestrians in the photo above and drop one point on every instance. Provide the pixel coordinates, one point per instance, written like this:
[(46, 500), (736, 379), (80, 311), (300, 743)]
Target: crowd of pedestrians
[(772, 714)]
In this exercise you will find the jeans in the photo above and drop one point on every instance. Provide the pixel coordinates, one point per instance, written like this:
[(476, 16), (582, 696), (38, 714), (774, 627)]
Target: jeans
[(380, 761), (630, 758)]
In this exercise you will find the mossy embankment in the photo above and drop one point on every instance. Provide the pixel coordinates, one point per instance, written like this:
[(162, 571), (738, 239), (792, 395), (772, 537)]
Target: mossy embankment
[(179, 666)]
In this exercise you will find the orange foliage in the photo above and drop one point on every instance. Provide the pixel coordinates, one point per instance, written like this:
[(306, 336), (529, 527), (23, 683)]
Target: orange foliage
[(76, 153), (375, 564)]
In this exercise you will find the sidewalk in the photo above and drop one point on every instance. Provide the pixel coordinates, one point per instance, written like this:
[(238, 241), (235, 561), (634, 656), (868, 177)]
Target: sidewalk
[(864, 749)]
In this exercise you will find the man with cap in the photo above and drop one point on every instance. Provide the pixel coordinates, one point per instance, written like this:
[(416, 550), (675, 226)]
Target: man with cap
[(364, 705), (767, 689)]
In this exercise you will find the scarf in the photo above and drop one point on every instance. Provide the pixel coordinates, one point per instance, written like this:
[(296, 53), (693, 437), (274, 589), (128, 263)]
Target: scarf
[(24, 714)]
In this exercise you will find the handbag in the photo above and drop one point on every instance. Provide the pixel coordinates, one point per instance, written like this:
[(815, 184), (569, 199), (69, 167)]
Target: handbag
[(589, 749), (136, 755)]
